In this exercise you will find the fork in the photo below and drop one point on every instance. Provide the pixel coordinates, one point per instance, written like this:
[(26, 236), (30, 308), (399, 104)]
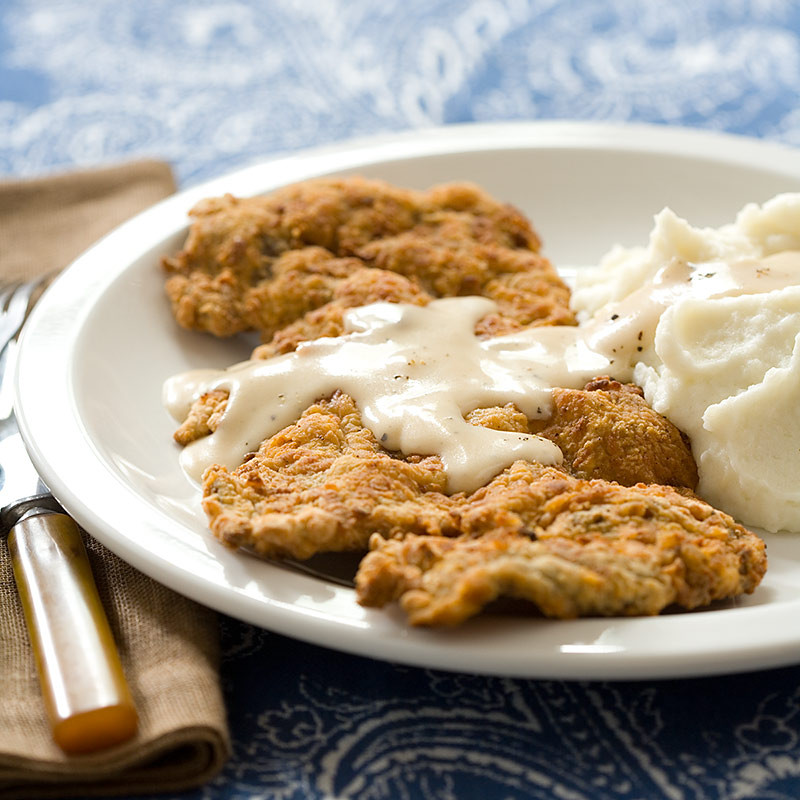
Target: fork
[(15, 304), (16, 301), (83, 687)]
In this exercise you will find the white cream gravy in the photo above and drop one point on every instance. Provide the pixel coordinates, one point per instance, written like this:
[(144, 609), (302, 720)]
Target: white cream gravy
[(415, 371)]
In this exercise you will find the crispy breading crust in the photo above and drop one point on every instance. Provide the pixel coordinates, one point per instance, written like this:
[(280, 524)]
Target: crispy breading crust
[(203, 418), (261, 263), (572, 547), (363, 287), (325, 483), (602, 535), (601, 432), (606, 430)]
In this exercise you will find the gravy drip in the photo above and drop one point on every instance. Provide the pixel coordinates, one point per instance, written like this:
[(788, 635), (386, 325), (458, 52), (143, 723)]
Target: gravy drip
[(415, 371)]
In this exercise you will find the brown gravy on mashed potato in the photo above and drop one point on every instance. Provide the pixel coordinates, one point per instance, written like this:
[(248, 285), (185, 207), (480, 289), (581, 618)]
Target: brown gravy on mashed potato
[(414, 371)]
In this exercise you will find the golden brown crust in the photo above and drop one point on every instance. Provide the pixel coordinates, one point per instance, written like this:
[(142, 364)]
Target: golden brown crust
[(203, 418), (363, 287), (571, 547), (325, 484), (443, 257), (605, 430), (604, 534), (261, 263)]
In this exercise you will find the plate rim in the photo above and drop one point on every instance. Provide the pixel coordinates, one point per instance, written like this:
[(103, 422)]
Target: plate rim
[(80, 286)]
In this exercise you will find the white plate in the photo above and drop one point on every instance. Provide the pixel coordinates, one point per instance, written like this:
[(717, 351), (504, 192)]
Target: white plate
[(101, 342)]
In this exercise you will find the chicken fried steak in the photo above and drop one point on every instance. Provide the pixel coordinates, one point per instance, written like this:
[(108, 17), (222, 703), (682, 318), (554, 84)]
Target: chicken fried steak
[(261, 263), (606, 430), (572, 547), (615, 529), (325, 483)]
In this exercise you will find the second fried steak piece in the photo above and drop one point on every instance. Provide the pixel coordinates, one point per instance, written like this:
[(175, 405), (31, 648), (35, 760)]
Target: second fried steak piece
[(325, 483), (572, 547), (260, 263), (362, 287), (606, 430)]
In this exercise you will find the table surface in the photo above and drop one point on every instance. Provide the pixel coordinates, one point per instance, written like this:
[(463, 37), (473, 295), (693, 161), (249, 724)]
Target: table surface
[(211, 86)]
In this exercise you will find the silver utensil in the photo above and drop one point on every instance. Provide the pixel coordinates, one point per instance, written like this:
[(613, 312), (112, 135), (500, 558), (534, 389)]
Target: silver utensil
[(336, 568), (85, 693)]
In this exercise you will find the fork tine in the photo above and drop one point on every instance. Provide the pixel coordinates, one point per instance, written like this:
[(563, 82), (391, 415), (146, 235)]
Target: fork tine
[(6, 292), (12, 317), (14, 307), (15, 303)]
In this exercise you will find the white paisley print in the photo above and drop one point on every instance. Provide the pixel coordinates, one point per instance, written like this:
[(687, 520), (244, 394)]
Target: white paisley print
[(211, 85), (214, 84)]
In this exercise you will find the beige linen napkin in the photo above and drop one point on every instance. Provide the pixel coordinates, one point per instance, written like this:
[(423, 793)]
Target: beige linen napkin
[(168, 644)]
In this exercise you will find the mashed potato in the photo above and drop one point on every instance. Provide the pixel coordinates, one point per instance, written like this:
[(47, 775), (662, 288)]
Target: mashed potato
[(725, 369)]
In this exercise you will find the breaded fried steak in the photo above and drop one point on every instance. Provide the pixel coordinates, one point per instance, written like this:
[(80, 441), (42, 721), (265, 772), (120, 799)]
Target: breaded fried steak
[(614, 529), (261, 263), (325, 483), (569, 546)]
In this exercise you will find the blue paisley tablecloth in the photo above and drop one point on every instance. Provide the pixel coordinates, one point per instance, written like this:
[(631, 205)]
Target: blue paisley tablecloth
[(211, 85)]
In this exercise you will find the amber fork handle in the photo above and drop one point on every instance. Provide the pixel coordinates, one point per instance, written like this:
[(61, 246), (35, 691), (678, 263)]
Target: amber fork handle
[(85, 693), (83, 686)]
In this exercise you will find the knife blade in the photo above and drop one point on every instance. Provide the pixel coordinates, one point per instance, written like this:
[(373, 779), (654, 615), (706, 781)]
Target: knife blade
[(85, 693)]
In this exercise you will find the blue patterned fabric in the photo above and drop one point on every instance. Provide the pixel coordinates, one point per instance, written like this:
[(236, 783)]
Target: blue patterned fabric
[(212, 85), (329, 725)]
